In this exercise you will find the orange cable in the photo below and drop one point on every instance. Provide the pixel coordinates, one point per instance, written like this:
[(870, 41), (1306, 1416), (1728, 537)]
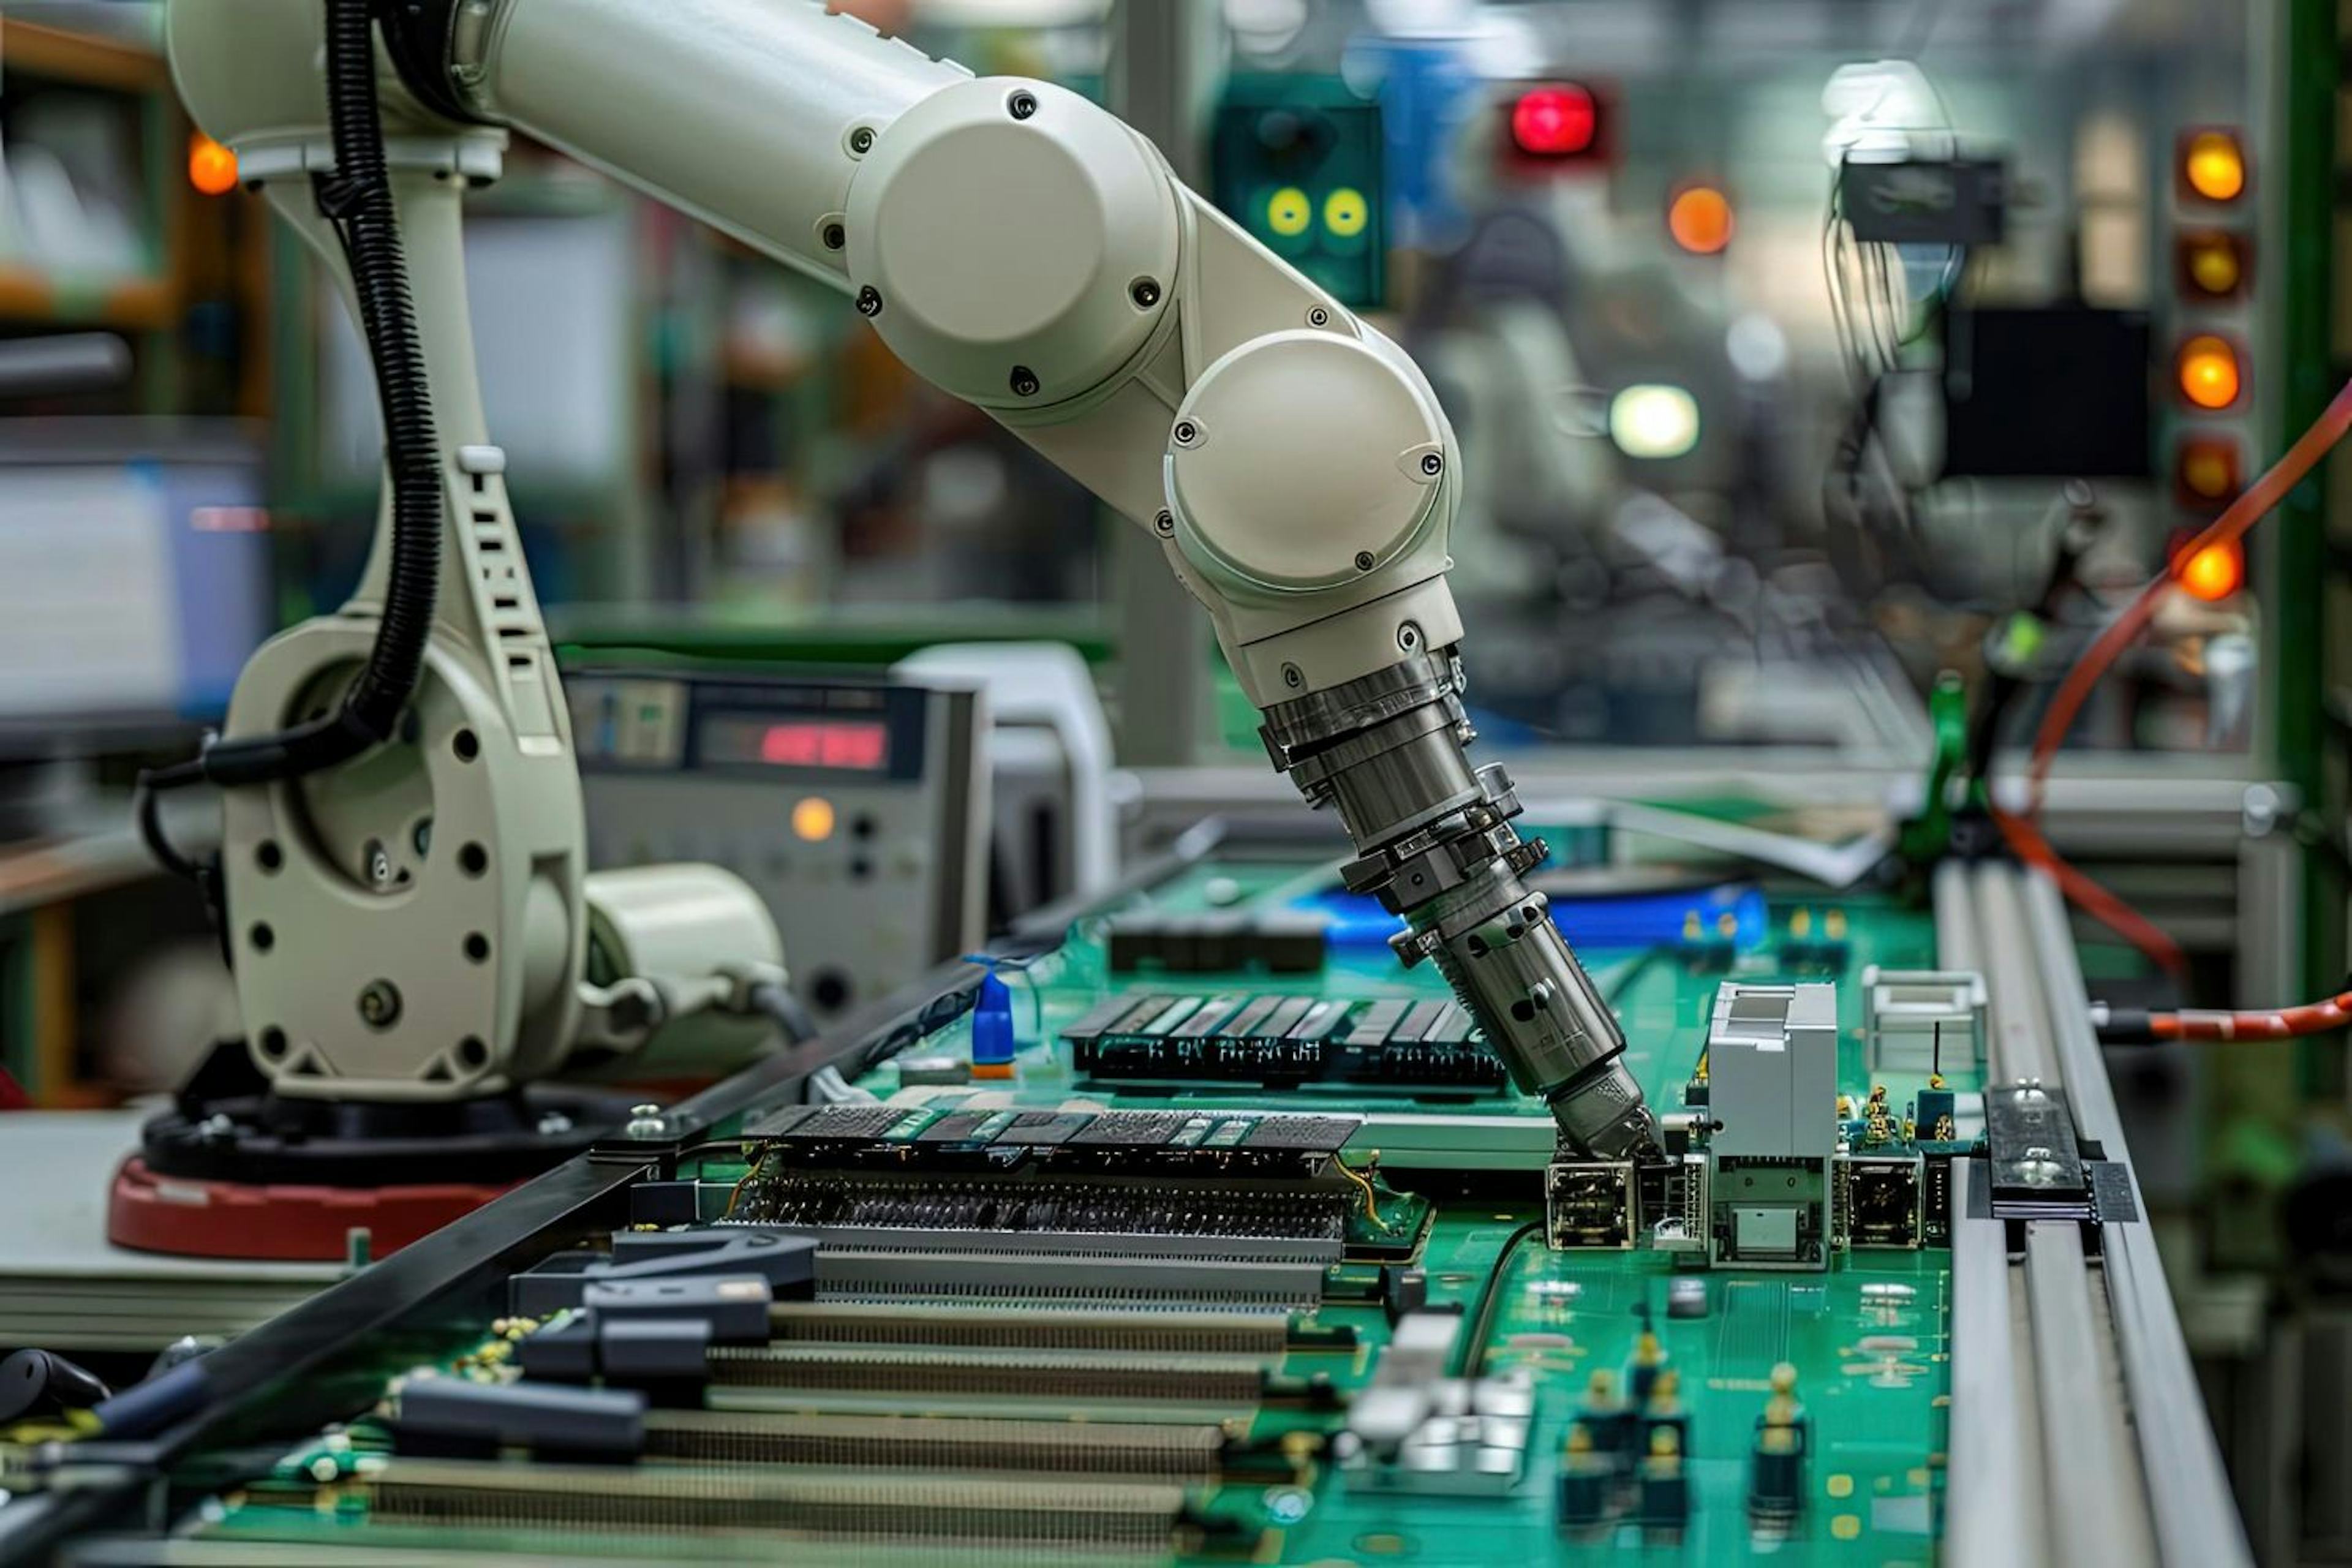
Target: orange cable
[(2023, 831)]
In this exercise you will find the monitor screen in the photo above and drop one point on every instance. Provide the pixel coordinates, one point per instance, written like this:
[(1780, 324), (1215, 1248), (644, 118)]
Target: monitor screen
[(2056, 392), (134, 582)]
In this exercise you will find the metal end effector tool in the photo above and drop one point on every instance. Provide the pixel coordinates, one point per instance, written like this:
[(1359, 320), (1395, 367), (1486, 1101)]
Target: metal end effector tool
[(1435, 845), (1019, 247)]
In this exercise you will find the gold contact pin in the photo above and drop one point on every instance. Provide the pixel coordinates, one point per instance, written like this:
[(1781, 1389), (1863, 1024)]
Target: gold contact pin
[(1801, 923), (1665, 1391)]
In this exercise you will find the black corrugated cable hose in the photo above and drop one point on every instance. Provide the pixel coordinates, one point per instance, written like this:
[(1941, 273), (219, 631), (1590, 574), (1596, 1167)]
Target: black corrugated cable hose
[(358, 198)]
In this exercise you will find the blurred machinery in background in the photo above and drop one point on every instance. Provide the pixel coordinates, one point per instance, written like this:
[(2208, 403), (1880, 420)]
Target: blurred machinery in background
[(857, 808)]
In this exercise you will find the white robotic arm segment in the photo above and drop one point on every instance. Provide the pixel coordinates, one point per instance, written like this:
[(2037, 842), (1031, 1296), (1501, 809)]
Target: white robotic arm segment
[(1023, 249)]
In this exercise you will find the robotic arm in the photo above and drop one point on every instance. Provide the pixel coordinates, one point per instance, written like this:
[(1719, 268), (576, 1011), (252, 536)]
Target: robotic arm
[(1025, 251)]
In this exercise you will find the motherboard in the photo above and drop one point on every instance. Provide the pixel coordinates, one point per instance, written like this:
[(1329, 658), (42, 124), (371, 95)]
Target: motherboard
[(1242, 1259)]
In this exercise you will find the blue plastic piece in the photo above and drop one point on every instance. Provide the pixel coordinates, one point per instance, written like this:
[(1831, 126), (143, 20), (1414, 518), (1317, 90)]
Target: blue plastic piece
[(991, 1023), (148, 1408), (1614, 920)]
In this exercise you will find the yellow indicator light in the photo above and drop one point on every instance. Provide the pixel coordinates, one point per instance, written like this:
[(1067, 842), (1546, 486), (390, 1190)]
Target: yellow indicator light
[(2213, 266), (2209, 469), (2214, 573), (2208, 370), (1288, 212), (812, 818), (2213, 167), (1345, 212), (211, 168), (1699, 219)]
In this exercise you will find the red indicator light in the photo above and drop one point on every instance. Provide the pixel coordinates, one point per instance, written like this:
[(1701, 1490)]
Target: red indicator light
[(1559, 122)]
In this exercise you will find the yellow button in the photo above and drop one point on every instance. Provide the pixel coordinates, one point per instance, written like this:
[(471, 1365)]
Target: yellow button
[(1288, 212), (1345, 212)]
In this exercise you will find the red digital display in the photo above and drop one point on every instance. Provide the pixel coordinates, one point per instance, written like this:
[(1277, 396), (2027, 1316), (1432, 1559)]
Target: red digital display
[(853, 747)]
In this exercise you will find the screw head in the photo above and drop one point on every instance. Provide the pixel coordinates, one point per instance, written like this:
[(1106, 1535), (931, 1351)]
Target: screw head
[(861, 141), (379, 1004), (869, 301), (1022, 105), (1164, 524), (1291, 678), (836, 236), (1025, 382), (1408, 636), (1187, 432), (1432, 463), (1365, 560), (1145, 292), (1318, 317)]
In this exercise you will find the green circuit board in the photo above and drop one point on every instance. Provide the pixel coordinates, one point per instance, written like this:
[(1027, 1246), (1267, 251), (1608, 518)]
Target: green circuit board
[(1872, 1366), (1867, 1336)]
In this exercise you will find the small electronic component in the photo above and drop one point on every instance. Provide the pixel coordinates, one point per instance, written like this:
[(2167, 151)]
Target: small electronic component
[(1936, 1198), (1687, 1296), (1278, 941), (1878, 1200), (1587, 1479), (1417, 1430), (1923, 1020), (992, 1044), (1773, 1055), (1813, 944), (1775, 1487), (450, 1413), (1588, 1203), (786, 1265), (1283, 1041), (1937, 1114), (1641, 1374), (736, 1310), (1664, 1495), (1609, 1418), (38, 1381)]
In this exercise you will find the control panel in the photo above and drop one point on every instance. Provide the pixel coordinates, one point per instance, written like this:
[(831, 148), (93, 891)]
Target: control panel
[(855, 806)]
